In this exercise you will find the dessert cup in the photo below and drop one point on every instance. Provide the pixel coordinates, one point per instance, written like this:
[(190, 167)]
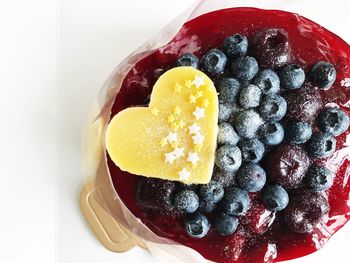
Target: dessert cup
[(112, 213)]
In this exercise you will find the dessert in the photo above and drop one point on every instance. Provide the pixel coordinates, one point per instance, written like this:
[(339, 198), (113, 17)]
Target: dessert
[(275, 123)]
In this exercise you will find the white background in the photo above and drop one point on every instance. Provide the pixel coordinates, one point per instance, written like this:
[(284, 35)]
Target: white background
[(54, 57)]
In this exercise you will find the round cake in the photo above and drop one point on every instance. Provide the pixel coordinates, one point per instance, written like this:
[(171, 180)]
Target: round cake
[(264, 177)]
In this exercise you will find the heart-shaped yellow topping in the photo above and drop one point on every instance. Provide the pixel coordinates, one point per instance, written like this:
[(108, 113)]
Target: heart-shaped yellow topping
[(174, 138)]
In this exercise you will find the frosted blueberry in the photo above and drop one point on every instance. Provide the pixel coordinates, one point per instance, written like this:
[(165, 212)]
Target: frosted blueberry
[(228, 158), (249, 97), (227, 134), (252, 150), (268, 81), (247, 122)]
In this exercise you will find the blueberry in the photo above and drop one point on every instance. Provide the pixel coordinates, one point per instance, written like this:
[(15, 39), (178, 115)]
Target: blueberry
[(187, 60), (244, 68), (155, 194), (197, 225), (213, 62), (213, 191), (224, 112), (252, 150), (268, 81), (186, 200), (247, 122), (298, 132), (271, 133), (207, 206), (228, 89), (251, 177), (321, 145), (225, 224), (182, 186), (223, 177), (292, 77), (305, 210), (271, 47), (275, 198), (318, 178), (333, 120), (249, 97), (227, 134), (323, 74), (228, 158), (235, 46), (273, 107), (236, 201)]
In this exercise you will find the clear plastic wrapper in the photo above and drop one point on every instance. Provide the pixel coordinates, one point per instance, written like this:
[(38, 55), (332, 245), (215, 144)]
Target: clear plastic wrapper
[(101, 188)]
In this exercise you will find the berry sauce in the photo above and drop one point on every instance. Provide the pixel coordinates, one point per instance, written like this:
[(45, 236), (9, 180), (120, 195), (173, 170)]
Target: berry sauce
[(263, 235)]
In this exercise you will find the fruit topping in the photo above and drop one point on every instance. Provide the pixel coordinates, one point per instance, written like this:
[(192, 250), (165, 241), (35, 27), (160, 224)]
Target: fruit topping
[(298, 132), (155, 194), (213, 191), (252, 150), (271, 133), (236, 201), (292, 77), (228, 89), (305, 210), (186, 200), (232, 248), (197, 225), (323, 74), (235, 46), (321, 145), (227, 134), (223, 177), (268, 81), (287, 166), (249, 97), (258, 219), (181, 186), (275, 198), (304, 104), (333, 121), (187, 60), (251, 177), (228, 158), (213, 62), (318, 178), (273, 107), (244, 68), (271, 47), (207, 207), (224, 223), (247, 122), (224, 112)]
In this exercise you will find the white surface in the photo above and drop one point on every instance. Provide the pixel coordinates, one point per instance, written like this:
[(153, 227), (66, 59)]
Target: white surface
[(94, 36), (28, 131)]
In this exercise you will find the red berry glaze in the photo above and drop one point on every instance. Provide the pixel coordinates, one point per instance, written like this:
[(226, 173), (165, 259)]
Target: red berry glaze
[(309, 43), (258, 219), (305, 211)]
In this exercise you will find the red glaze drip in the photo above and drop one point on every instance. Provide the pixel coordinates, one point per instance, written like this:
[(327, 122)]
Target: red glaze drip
[(310, 43)]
